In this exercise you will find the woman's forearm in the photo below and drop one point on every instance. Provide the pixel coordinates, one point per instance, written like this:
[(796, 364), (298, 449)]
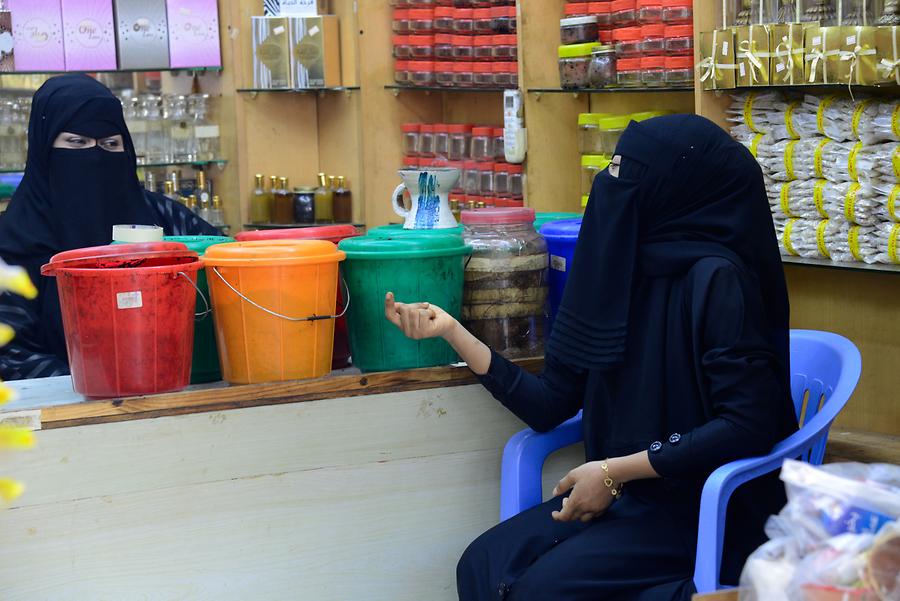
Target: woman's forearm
[(471, 350), (631, 467)]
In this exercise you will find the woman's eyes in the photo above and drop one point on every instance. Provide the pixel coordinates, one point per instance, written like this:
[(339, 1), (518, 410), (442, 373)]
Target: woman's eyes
[(76, 141), (111, 144)]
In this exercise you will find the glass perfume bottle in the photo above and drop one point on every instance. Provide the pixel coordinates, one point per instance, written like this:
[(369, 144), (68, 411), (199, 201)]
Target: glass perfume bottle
[(343, 202), (324, 201), (260, 202), (192, 203), (137, 127), (206, 129), (216, 215), (204, 190), (179, 134), (283, 203), (156, 145)]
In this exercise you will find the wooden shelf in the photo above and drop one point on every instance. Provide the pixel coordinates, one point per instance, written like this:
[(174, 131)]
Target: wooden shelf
[(491, 90), (296, 90), (607, 90), (853, 266)]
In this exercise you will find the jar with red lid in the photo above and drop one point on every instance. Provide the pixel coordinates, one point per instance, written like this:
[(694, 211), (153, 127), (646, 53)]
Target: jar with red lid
[(401, 72), (576, 9), (422, 3), (421, 47), (483, 48), (460, 141), (649, 11), (501, 76), (486, 178), (482, 143), (421, 73), (401, 21), (462, 47), (624, 13), (411, 138), (482, 75), (443, 46), (498, 145), (463, 74), (500, 19), (653, 38), (458, 186), (628, 41), (505, 47), (482, 21), (426, 140), (680, 71), (421, 20), (443, 19), (653, 71), (603, 12), (512, 74), (516, 181), (628, 72), (470, 177), (443, 73), (442, 137), (501, 179), (606, 37), (401, 46), (680, 39), (678, 11), (463, 21)]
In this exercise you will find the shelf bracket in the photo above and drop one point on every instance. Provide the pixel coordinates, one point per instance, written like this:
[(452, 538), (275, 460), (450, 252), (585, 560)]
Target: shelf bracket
[(395, 92)]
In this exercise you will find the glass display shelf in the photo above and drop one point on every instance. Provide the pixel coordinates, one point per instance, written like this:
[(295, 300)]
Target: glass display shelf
[(852, 266), (653, 90), (398, 88), (217, 162), (166, 70), (296, 90), (286, 226)]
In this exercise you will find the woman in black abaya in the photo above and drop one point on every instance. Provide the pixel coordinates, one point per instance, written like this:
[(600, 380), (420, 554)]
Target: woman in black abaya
[(80, 180), (672, 336)]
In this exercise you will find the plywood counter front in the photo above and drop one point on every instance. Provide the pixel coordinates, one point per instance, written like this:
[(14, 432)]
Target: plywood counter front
[(349, 487)]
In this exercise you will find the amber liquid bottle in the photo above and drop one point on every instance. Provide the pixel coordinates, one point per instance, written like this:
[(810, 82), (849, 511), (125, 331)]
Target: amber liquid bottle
[(343, 203), (324, 205), (283, 203), (260, 202)]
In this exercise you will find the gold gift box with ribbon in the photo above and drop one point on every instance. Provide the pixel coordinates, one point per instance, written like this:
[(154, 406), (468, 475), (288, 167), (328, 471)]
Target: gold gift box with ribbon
[(751, 54), (887, 43), (857, 56), (822, 49), (786, 47), (716, 69)]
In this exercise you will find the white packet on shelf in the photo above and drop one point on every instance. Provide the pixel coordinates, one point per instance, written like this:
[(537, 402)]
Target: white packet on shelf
[(803, 198), (839, 117), (847, 242), (882, 124), (889, 197), (751, 108), (853, 202), (886, 239), (803, 237), (811, 158), (791, 120)]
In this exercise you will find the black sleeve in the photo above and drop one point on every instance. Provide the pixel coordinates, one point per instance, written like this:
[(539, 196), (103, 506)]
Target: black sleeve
[(176, 219), (543, 402), (743, 383), (24, 357)]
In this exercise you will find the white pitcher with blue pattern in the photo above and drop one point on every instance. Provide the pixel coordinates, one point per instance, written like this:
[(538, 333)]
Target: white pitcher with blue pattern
[(429, 188)]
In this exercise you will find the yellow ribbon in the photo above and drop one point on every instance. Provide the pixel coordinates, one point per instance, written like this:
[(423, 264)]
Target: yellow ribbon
[(820, 112), (820, 238), (745, 50), (786, 49), (786, 238), (789, 159), (895, 162), (850, 202), (892, 244), (786, 199), (853, 241), (888, 69), (892, 203), (789, 120), (819, 197), (851, 161), (754, 144), (853, 56), (857, 115), (748, 111), (815, 55), (895, 121), (817, 157)]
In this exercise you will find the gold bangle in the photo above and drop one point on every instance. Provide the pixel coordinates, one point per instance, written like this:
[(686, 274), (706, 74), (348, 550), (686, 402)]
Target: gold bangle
[(608, 481)]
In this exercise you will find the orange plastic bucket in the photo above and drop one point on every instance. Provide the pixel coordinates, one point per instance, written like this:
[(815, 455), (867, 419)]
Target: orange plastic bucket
[(274, 308)]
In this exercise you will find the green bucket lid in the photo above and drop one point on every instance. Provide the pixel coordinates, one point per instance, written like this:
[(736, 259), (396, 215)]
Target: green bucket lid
[(199, 244), (542, 218), (406, 246), (397, 230)]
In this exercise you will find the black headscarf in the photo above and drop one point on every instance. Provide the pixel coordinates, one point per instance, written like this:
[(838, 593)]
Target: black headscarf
[(686, 190)]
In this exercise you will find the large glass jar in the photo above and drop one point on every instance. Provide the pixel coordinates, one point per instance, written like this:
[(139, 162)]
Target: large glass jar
[(157, 139), (206, 128), (591, 165), (612, 126), (460, 141), (602, 70), (179, 131), (411, 138), (574, 61), (505, 293), (589, 141)]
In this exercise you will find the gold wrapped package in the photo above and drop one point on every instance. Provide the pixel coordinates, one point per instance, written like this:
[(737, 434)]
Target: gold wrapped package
[(752, 55), (786, 46), (716, 69), (887, 44), (857, 56), (822, 49)]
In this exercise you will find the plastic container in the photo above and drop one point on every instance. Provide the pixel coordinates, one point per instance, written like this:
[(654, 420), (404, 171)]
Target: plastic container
[(516, 181), (400, 24), (578, 30), (205, 358), (482, 75), (443, 19), (611, 128), (481, 18), (591, 165), (443, 73), (442, 137), (483, 48), (644, 115), (678, 12), (624, 13), (505, 48), (606, 37), (460, 141), (462, 47), (421, 73), (603, 12), (653, 71), (506, 281), (653, 39), (401, 72), (463, 74), (680, 39), (421, 20), (463, 21), (628, 72), (482, 143), (411, 138), (576, 9), (421, 47), (485, 179), (541, 218), (503, 19), (257, 300), (649, 11), (333, 234), (628, 42), (574, 61), (680, 71), (401, 46), (396, 230), (471, 179), (602, 68), (443, 46), (426, 140), (561, 237), (426, 267), (129, 329), (589, 141), (498, 143)]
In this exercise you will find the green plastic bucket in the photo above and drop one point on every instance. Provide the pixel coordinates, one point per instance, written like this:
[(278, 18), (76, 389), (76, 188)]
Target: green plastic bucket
[(416, 269), (542, 218), (397, 230), (205, 366)]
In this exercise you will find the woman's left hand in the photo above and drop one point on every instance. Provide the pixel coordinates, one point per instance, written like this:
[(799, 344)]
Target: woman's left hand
[(590, 497)]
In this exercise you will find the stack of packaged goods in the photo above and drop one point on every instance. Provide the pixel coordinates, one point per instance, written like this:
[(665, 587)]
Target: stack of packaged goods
[(486, 180), (627, 43), (832, 169), (455, 44)]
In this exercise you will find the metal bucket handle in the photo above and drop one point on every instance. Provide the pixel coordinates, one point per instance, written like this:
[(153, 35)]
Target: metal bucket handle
[(204, 314)]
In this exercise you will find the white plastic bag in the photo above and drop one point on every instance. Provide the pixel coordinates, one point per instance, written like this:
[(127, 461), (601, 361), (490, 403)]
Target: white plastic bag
[(847, 242), (886, 240), (803, 198), (807, 238)]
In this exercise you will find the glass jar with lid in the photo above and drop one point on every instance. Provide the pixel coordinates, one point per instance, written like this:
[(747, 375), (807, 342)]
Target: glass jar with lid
[(401, 72), (482, 143), (516, 181), (443, 19), (612, 126), (441, 140), (680, 71), (460, 141), (602, 70), (482, 75), (603, 12), (463, 21), (589, 140), (628, 72), (500, 20), (483, 48), (576, 9), (462, 47), (678, 11), (463, 74), (649, 11), (443, 73), (421, 47), (506, 288), (472, 181), (628, 42), (624, 13), (421, 20), (481, 18), (421, 73), (206, 132), (485, 178), (443, 47), (578, 30), (426, 140), (680, 39), (502, 74), (410, 133), (400, 23), (179, 130), (401, 46), (574, 61), (653, 39), (653, 71), (498, 144), (505, 47), (501, 180), (591, 165), (156, 137)]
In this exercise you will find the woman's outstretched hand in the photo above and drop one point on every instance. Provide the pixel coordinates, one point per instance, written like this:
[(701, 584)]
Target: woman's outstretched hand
[(418, 320)]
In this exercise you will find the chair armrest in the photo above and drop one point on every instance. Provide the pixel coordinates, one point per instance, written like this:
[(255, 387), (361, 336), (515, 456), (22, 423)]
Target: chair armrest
[(523, 462)]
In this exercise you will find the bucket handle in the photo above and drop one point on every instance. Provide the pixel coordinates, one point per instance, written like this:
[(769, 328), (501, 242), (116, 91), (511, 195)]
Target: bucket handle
[(197, 316), (279, 315)]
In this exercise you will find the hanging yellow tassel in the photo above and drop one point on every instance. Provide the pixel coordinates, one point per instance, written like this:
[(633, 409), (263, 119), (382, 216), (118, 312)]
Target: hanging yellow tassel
[(10, 489)]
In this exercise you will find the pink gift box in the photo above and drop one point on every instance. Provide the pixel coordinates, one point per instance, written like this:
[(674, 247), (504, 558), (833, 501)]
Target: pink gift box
[(90, 38), (38, 35), (193, 33)]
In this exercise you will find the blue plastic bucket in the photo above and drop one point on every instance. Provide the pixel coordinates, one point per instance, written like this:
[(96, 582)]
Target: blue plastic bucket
[(561, 237)]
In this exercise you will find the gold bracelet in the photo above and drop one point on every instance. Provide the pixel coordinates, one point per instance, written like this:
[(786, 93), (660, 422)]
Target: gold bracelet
[(608, 481)]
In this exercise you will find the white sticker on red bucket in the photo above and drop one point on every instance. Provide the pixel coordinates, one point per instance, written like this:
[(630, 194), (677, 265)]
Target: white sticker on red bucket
[(557, 263), (129, 300)]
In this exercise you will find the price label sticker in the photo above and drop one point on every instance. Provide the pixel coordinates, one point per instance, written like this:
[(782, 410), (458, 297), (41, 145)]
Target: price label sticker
[(724, 48), (779, 67), (557, 263), (851, 40), (129, 300), (817, 41), (742, 69)]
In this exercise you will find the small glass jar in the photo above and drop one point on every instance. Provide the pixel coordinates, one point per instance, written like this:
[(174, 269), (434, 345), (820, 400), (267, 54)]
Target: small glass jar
[(458, 186), (578, 30), (483, 48), (501, 75), (576, 9), (486, 178), (426, 140), (421, 20), (482, 143), (653, 38), (589, 134), (653, 71), (505, 47), (679, 39), (411, 138), (649, 11), (442, 138), (443, 46), (443, 19), (401, 21), (443, 73), (501, 180), (574, 63), (471, 179), (482, 75), (463, 74), (516, 181), (611, 126), (421, 47), (460, 141), (628, 72), (628, 42), (462, 47), (624, 13), (678, 12), (482, 21), (680, 71), (401, 72), (401, 46), (603, 12), (602, 70), (421, 73), (500, 20), (463, 21), (591, 165), (498, 144)]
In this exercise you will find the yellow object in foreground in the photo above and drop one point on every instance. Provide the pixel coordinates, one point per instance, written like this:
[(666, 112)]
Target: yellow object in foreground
[(7, 394), (15, 279), (16, 438), (6, 334), (10, 489)]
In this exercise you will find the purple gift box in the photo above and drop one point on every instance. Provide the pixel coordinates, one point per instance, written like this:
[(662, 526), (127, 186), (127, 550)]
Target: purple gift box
[(38, 35), (90, 38), (193, 33)]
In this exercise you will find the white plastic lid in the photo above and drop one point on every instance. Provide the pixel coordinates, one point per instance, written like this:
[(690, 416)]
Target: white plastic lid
[(577, 21), (137, 233)]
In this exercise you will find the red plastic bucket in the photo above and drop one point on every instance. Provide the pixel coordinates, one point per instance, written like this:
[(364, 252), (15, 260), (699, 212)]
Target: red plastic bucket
[(128, 316), (334, 234)]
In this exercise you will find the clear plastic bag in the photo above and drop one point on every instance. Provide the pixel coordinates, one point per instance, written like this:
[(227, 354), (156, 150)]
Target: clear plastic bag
[(889, 195), (847, 242), (854, 202), (882, 161), (886, 240), (752, 108), (803, 198), (791, 119), (811, 158), (882, 123), (839, 117), (807, 238)]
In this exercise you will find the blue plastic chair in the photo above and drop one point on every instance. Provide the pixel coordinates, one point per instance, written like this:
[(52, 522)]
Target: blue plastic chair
[(825, 370)]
